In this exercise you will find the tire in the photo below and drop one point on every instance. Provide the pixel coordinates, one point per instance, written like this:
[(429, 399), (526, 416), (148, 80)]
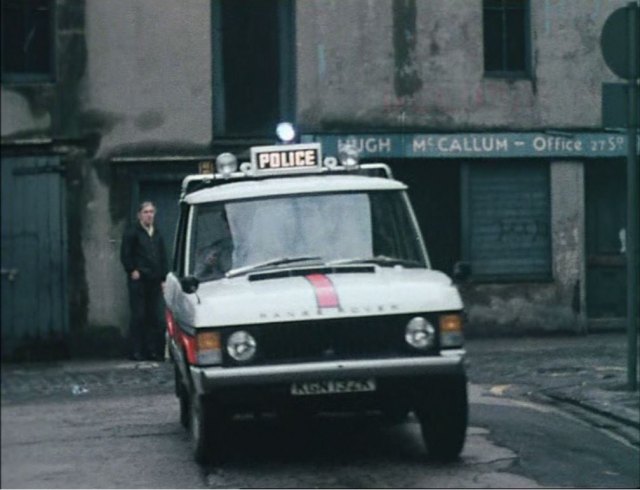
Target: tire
[(177, 381), (205, 424), (184, 410), (183, 398), (443, 415)]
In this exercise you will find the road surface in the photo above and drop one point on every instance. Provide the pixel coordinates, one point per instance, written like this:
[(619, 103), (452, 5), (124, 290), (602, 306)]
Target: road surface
[(129, 436)]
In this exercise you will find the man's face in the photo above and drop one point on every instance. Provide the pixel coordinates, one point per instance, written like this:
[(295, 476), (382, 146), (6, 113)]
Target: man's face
[(146, 215)]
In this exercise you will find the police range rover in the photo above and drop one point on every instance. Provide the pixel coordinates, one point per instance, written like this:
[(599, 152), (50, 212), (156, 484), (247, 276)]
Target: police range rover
[(301, 286)]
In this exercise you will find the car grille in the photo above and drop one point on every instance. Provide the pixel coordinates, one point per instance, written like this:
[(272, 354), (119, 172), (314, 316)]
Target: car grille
[(322, 340)]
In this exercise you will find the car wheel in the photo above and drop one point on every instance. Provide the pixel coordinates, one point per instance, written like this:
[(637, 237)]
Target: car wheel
[(177, 381), (184, 410), (206, 423), (443, 413), (183, 398), (200, 430)]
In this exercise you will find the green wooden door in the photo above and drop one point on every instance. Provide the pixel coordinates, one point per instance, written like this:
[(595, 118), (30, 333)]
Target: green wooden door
[(34, 256), (605, 238)]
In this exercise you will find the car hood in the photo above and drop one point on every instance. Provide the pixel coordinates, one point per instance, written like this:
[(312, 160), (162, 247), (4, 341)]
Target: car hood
[(310, 295)]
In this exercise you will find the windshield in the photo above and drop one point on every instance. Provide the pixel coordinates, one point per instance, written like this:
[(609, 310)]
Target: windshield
[(242, 235)]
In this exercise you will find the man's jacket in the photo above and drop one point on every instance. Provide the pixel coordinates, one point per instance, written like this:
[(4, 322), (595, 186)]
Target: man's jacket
[(144, 253)]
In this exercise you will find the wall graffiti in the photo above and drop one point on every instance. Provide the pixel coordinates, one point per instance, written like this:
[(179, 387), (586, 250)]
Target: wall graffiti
[(525, 230)]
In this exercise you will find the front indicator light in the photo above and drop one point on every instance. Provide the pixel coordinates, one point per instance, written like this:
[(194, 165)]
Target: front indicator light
[(419, 333), (241, 346), (208, 348), (451, 330)]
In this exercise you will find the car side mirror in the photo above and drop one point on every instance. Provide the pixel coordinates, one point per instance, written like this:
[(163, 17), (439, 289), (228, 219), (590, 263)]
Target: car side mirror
[(189, 284), (461, 271)]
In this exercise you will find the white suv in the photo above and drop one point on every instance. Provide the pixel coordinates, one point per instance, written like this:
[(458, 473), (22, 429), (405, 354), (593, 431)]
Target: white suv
[(302, 285)]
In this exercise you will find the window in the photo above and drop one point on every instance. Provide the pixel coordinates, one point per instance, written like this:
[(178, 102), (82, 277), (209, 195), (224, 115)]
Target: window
[(253, 68), (506, 221), (27, 40), (240, 234), (506, 37)]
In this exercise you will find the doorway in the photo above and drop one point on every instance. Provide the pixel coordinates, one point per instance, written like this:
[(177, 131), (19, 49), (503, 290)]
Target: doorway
[(165, 194), (606, 214), (34, 257), (434, 191)]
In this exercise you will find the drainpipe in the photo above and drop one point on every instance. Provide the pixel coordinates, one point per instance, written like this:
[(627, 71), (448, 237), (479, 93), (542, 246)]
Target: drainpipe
[(632, 202)]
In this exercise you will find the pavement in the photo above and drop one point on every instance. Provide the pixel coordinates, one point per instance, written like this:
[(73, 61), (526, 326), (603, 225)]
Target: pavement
[(582, 374)]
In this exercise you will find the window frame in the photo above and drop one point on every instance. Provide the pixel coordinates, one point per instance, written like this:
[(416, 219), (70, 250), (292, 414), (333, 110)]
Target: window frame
[(180, 239), (526, 73), (287, 52), (13, 77)]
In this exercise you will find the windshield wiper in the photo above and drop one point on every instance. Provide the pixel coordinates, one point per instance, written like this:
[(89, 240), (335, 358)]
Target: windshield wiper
[(270, 263), (379, 260)]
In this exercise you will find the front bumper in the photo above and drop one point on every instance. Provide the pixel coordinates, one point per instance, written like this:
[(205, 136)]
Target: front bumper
[(208, 380)]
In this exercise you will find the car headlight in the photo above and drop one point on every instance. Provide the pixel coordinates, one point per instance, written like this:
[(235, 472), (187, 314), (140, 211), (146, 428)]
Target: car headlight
[(241, 346), (419, 333)]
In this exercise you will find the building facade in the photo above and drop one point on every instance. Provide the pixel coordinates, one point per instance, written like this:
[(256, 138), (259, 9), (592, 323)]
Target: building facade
[(490, 110)]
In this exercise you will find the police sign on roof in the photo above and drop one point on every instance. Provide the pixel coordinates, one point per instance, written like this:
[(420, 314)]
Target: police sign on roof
[(283, 158)]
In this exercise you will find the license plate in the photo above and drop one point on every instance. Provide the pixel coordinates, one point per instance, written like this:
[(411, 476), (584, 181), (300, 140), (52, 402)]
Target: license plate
[(333, 386)]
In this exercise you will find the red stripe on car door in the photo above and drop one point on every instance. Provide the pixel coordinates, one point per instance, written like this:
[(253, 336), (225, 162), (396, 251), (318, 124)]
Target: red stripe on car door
[(326, 295)]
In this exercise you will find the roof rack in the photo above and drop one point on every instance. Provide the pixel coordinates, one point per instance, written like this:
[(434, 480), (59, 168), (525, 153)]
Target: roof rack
[(196, 182), (291, 160)]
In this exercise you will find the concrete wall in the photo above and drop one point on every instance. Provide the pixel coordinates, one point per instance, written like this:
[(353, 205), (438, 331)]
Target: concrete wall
[(19, 118), (148, 79), (568, 241), (147, 90), (355, 54)]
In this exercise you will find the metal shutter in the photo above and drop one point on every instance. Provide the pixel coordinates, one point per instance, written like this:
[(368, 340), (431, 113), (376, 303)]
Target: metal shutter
[(507, 220)]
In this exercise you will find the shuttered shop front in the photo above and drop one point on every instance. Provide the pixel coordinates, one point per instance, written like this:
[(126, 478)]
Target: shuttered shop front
[(506, 214)]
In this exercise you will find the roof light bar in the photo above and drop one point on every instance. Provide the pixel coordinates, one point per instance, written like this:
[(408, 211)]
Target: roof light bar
[(286, 132)]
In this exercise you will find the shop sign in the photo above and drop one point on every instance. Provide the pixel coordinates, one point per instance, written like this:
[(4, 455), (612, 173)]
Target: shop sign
[(478, 145)]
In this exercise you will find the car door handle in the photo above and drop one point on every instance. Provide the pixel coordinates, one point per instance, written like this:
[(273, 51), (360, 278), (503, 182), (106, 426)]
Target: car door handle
[(10, 273)]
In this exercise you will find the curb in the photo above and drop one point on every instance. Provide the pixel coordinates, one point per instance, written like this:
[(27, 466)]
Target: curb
[(591, 408)]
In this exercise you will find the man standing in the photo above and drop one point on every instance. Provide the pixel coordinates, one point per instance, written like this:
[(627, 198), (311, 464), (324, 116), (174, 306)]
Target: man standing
[(144, 258)]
